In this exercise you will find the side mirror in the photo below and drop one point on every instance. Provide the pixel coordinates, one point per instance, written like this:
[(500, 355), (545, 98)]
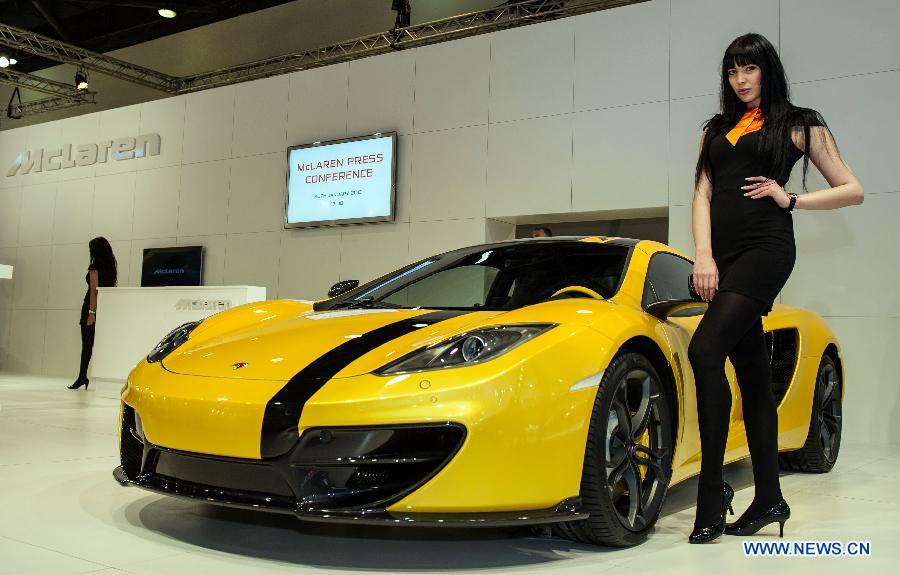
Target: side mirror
[(342, 287), (663, 309)]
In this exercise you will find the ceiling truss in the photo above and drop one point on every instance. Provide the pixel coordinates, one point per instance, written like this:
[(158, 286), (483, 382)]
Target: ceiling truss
[(32, 107), (507, 15), (504, 16), (39, 84)]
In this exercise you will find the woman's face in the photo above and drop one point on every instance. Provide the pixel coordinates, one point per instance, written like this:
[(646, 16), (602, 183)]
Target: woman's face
[(746, 81)]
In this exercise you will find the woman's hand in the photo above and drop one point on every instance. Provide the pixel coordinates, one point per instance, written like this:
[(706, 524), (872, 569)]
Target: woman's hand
[(766, 187), (91, 319), (706, 277)]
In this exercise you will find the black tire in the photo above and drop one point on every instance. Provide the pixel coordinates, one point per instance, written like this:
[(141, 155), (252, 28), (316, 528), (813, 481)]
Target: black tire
[(823, 442), (617, 517)]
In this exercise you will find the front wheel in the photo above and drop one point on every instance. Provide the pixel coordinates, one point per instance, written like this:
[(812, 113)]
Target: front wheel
[(628, 456)]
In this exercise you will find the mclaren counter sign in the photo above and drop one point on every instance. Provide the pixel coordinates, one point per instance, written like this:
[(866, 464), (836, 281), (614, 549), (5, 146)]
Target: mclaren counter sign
[(69, 156)]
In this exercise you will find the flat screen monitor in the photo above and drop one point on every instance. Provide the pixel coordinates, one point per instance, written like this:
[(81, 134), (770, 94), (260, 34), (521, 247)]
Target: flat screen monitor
[(179, 266), (349, 181)]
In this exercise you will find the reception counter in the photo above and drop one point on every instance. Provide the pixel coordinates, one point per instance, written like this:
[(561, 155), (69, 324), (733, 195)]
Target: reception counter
[(131, 321)]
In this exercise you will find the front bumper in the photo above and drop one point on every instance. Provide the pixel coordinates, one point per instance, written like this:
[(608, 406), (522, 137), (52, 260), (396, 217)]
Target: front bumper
[(525, 428), (348, 475)]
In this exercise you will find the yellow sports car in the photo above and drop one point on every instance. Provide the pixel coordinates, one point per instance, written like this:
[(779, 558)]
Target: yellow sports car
[(529, 381)]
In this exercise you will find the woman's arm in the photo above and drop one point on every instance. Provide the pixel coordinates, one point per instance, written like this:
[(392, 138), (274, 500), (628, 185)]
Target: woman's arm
[(706, 274), (701, 219), (93, 283), (845, 189)]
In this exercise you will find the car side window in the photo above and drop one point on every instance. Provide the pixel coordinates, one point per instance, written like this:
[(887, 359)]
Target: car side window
[(667, 278)]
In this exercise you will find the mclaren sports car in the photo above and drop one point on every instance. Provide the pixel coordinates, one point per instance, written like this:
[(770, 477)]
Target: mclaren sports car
[(522, 382)]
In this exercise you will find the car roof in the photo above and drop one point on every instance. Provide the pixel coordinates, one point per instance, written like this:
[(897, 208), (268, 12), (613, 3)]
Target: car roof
[(611, 240), (628, 243)]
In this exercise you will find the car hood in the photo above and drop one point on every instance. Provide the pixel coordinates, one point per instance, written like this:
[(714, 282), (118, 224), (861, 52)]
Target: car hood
[(276, 342)]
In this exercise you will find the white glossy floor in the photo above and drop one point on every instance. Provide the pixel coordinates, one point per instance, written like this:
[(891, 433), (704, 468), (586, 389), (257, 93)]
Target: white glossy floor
[(61, 512)]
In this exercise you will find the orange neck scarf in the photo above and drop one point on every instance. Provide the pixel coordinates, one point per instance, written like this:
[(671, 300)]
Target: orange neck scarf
[(752, 121)]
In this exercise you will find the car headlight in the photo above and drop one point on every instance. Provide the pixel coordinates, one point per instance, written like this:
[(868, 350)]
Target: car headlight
[(172, 341), (466, 349)]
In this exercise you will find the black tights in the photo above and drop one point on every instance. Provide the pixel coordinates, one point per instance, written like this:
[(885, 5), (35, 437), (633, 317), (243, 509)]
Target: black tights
[(87, 348), (732, 327)]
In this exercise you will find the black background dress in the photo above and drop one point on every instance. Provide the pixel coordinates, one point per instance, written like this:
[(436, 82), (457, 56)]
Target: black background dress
[(87, 331), (103, 280), (752, 240), (87, 294)]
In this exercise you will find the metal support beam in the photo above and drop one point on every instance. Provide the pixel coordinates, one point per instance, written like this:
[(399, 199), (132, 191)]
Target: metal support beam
[(38, 84), (51, 49), (505, 16), (47, 105), (508, 15)]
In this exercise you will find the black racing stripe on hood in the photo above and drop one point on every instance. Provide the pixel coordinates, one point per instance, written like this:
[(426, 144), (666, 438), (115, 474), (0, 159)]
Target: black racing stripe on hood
[(282, 415)]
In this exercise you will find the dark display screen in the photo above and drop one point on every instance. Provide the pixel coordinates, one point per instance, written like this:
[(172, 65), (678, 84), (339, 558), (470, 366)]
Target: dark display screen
[(181, 266)]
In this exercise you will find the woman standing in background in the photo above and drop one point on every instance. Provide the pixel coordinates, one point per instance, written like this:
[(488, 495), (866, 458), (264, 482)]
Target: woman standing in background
[(101, 273)]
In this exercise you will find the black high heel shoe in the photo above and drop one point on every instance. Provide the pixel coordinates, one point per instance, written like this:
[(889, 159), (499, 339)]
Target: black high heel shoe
[(707, 534), (778, 513), (78, 383)]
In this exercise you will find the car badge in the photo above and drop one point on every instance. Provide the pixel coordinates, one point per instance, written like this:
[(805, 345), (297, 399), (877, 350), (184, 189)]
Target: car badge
[(240, 365)]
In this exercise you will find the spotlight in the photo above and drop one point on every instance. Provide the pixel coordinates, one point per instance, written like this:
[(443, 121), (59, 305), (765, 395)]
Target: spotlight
[(404, 11), (7, 59), (166, 13), (14, 108), (81, 79)]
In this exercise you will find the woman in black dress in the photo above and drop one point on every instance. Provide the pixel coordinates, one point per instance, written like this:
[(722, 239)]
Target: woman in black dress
[(744, 253), (101, 273)]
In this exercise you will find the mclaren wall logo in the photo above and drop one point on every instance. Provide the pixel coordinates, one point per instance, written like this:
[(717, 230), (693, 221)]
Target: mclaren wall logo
[(69, 156)]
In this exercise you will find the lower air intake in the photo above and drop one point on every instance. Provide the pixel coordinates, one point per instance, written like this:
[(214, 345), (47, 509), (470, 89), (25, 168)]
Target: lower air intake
[(330, 469)]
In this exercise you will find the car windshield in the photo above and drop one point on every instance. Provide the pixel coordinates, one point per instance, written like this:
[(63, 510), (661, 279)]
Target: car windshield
[(502, 277)]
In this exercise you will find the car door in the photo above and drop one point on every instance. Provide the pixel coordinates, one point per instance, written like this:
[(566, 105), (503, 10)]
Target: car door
[(667, 279)]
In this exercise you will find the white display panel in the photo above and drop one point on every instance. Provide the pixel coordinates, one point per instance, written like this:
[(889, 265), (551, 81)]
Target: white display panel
[(341, 182), (131, 321)]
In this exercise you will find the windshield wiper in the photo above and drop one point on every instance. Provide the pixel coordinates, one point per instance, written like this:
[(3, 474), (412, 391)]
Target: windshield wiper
[(366, 303)]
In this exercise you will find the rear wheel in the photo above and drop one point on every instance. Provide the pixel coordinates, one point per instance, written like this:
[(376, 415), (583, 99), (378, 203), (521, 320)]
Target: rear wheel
[(823, 442), (628, 457)]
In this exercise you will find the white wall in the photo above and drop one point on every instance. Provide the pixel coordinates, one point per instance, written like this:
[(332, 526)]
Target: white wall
[(600, 111)]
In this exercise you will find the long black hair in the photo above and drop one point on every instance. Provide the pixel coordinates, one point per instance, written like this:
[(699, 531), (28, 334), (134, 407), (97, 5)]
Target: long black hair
[(781, 117), (104, 260)]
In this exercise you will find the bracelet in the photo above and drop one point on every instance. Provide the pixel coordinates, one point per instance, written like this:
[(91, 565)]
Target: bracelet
[(91, 311), (793, 201)]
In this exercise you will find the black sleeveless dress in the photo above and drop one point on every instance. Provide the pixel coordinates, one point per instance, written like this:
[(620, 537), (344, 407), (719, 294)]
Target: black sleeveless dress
[(752, 240), (103, 280)]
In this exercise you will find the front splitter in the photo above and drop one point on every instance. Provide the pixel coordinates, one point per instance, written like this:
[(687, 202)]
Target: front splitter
[(567, 510)]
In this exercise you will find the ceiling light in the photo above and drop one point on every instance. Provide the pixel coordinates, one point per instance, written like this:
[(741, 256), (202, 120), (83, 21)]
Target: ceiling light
[(81, 79), (7, 58), (166, 13)]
